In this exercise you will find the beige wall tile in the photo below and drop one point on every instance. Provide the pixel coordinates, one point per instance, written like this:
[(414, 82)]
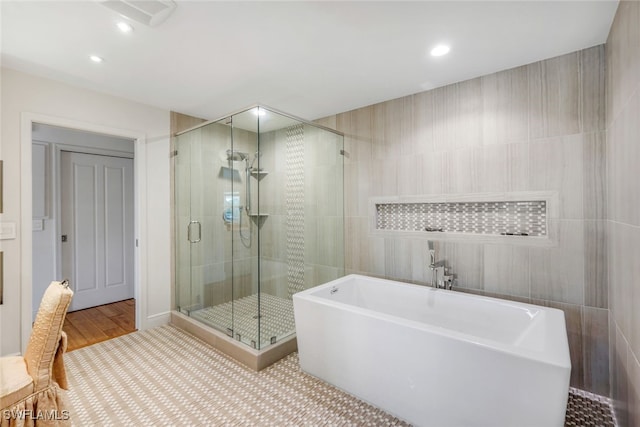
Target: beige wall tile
[(596, 350), (329, 121), (623, 152), (624, 270), (554, 95), (518, 167), (351, 189), (465, 261), (356, 126), (420, 260), (557, 164), (445, 119), (356, 248), (364, 189), (390, 124), (398, 259), (596, 289), (592, 89), (376, 256), (505, 107), (594, 182), (620, 375), (557, 273), (462, 167), (633, 257), (423, 122), (431, 175), (328, 237), (325, 187), (469, 114), (384, 177), (311, 238), (506, 270), (494, 167), (623, 58), (409, 169), (612, 354), (633, 367)]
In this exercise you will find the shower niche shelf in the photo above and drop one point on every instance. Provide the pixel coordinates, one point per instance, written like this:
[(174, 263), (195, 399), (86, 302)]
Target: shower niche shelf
[(514, 218), (258, 218), (259, 174)]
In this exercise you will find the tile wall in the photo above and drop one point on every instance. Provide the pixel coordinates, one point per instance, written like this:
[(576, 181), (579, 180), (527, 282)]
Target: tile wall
[(319, 192), (623, 213), (535, 127)]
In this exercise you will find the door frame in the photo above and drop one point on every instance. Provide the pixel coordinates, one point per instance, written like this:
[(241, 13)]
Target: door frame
[(26, 211)]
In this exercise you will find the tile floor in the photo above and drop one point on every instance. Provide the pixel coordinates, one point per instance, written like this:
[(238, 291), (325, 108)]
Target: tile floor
[(164, 376)]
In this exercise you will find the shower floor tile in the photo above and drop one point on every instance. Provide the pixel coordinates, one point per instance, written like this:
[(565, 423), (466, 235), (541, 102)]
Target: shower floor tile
[(276, 317)]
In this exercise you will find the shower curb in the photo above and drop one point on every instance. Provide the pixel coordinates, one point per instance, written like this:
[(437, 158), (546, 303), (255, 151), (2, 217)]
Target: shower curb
[(252, 358)]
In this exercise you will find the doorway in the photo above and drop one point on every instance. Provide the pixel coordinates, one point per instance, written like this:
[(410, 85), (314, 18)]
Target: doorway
[(83, 217)]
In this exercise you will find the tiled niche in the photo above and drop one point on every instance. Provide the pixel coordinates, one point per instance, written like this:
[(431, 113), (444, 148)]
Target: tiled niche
[(521, 217)]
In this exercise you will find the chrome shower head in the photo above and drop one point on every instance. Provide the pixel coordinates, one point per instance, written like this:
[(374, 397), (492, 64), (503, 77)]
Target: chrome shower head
[(236, 156)]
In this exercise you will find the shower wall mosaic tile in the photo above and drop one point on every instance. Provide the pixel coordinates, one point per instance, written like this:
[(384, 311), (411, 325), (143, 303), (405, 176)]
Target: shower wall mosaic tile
[(295, 209), (520, 218)]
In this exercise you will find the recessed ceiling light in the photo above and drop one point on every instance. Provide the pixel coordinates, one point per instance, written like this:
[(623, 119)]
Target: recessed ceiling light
[(440, 50), (125, 27), (96, 59)]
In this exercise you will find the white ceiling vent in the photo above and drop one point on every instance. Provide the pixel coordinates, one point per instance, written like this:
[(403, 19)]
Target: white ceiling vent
[(147, 12)]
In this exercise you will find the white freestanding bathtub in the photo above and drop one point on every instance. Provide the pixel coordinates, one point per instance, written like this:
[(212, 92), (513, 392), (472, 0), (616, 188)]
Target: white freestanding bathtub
[(434, 357)]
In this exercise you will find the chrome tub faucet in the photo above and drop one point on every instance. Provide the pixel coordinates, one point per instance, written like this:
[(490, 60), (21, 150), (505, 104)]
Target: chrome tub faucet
[(439, 278)]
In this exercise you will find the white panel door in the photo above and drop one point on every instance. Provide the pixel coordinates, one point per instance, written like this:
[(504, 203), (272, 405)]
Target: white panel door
[(97, 228)]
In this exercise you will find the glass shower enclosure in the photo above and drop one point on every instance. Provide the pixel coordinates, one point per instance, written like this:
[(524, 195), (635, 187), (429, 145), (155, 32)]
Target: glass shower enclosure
[(259, 217)]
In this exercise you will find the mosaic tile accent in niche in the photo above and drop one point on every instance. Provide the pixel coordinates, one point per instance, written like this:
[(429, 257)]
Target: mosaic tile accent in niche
[(520, 218)]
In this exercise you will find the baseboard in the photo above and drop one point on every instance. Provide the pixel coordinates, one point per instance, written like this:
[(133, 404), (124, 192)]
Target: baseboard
[(155, 320)]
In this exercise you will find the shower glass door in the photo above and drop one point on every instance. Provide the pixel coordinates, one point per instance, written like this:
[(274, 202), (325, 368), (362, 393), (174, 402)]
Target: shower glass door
[(245, 238), (206, 213)]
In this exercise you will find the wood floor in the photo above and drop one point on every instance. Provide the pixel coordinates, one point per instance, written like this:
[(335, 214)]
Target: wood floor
[(96, 324)]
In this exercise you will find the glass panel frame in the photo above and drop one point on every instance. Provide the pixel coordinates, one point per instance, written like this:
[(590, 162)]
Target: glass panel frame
[(266, 192)]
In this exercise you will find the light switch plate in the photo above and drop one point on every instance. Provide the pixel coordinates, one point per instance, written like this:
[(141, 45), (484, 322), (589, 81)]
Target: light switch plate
[(7, 230)]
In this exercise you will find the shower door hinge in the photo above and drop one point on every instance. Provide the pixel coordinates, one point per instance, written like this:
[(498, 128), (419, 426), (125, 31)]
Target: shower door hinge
[(173, 153), (343, 152)]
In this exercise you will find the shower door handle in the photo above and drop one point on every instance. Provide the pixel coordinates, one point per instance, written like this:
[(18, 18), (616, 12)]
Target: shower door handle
[(189, 227)]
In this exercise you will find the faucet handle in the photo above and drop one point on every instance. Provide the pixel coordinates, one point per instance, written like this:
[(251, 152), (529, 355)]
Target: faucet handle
[(448, 281)]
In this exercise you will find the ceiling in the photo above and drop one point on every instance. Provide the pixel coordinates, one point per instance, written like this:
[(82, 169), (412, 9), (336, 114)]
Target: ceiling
[(310, 59)]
